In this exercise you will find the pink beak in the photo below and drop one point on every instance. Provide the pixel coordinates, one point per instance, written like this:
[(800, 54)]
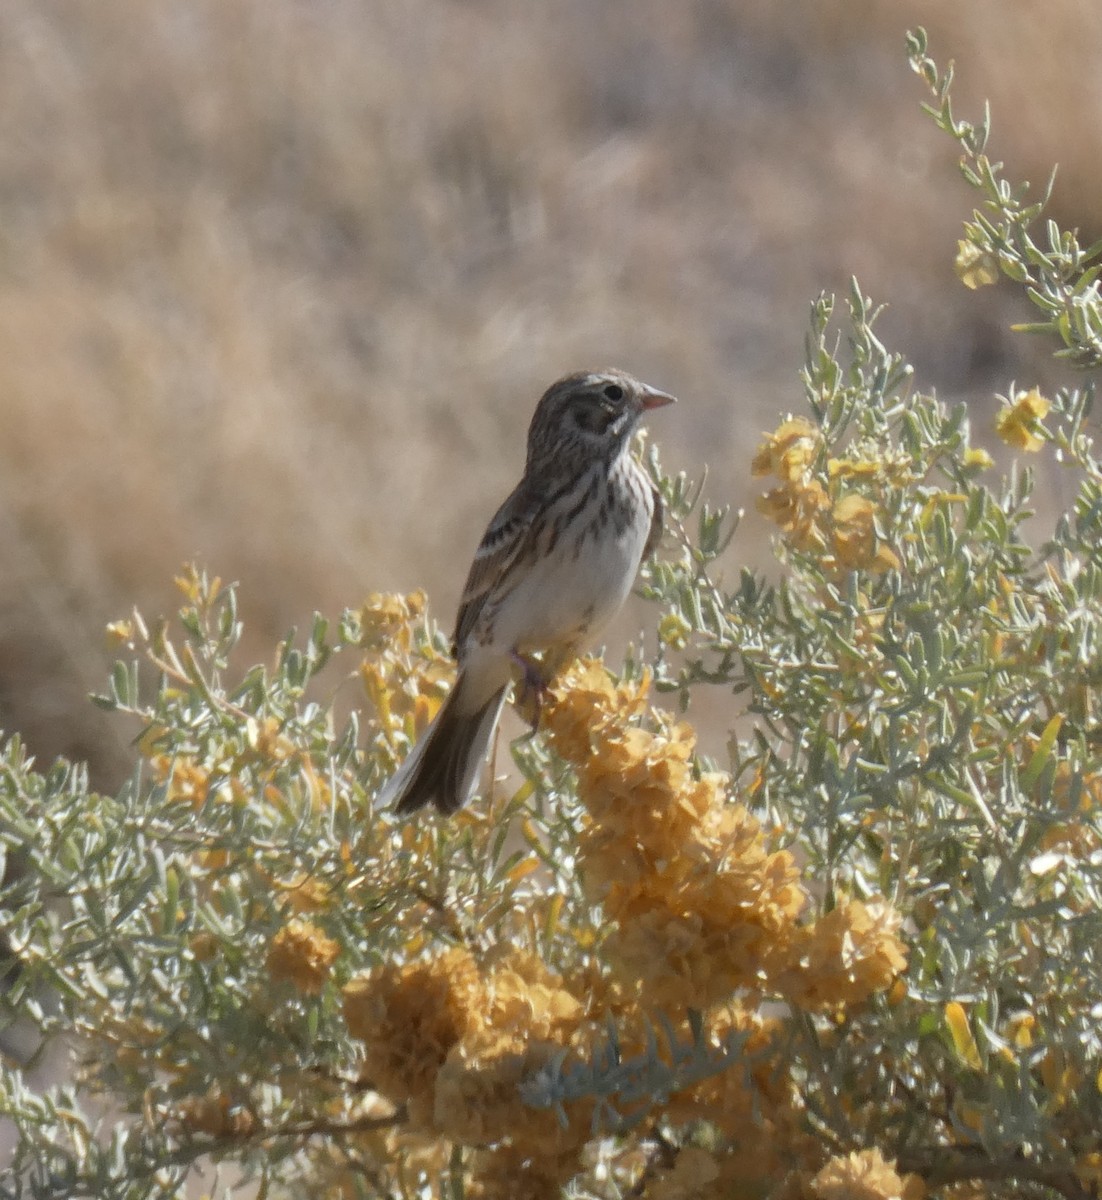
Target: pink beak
[(652, 398)]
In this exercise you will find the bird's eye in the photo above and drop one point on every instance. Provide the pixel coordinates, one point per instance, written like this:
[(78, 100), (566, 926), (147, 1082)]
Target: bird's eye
[(614, 392)]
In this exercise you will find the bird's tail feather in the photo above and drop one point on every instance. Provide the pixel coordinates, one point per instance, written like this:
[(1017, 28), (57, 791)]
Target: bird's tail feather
[(443, 767)]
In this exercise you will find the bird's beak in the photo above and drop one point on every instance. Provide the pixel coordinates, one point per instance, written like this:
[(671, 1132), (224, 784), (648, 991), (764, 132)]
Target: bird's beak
[(652, 398)]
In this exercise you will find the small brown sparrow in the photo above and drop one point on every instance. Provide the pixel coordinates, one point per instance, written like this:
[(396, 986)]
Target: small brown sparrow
[(554, 566)]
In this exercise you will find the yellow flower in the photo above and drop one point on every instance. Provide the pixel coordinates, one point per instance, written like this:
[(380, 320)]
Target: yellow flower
[(964, 1041), (853, 468), (1062, 1080), (184, 778), (976, 456), (1020, 1030), (696, 915), (585, 696), (750, 1165), (736, 1101), (856, 546), (409, 1017), (798, 508), (674, 631), (305, 894), (120, 632), (788, 451), (975, 267), (195, 585), (386, 619), (302, 954), (1019, 423)]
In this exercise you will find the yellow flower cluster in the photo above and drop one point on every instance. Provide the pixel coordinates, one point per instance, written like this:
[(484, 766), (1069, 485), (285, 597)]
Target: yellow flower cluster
[(302, 954), (510, 1173), (184, 779), (409, 1016), (975, 266), (1019, 423), (216, 1114), (240, 771), (798, 506), (387, 619), (703, 1174), (699, 903), (696, 1174), (699, 906), (864, 1175), (755, 1105), (405, 684), (841, 528), (844, 957), (452, 1039)]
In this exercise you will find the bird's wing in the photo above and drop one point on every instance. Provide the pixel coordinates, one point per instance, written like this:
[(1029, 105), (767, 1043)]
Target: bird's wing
[(505, 537), (657, 517)]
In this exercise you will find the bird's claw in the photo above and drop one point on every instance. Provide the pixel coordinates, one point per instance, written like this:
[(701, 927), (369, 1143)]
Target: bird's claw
[(534, 689)]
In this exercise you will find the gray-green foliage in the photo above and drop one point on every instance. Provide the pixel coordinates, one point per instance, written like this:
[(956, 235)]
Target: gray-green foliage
[(917, 712)]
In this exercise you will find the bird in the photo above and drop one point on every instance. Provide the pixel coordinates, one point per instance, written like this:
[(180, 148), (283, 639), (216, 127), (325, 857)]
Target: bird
[(555, 564)]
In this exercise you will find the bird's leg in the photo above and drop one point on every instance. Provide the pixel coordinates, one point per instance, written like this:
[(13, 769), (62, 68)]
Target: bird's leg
[(555, 660), (537, 677), (533, 689)]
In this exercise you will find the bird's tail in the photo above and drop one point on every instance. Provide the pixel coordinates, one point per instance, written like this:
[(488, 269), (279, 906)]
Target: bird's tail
[(443, 767)]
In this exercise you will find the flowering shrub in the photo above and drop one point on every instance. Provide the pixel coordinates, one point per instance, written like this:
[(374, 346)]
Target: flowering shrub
[(861, 960)]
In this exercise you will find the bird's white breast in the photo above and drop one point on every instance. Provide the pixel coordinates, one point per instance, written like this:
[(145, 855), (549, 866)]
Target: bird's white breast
[(582, 570)]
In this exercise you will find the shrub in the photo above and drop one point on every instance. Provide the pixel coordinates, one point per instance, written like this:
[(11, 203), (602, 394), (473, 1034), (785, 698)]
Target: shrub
[(861, 962)]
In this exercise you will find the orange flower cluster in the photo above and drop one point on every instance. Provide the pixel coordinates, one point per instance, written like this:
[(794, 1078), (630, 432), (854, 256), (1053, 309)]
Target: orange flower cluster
[(452, 1040), (855, 544), (700, 905), (302, 954), (840, 528), (696, 1174)]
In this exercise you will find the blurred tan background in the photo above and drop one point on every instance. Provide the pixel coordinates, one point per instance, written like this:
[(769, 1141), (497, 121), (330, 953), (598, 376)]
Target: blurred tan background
[(280, 280)]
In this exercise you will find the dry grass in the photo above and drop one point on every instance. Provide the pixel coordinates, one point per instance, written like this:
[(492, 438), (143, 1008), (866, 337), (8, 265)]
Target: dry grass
[(279, 282)]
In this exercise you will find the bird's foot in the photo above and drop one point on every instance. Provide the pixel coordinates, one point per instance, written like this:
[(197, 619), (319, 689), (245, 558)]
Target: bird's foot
[(532, 693)]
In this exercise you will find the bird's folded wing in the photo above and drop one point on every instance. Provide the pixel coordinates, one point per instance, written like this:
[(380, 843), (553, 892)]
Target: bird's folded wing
[(502, 543)]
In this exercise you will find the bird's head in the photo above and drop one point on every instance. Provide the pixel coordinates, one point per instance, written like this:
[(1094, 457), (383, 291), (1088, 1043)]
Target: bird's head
[(591, 412)]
